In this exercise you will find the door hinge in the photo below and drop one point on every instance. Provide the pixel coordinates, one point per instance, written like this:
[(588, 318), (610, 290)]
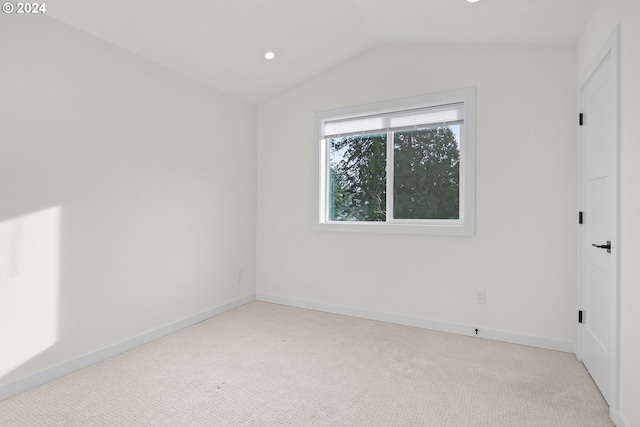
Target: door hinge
[(580, 316), (581, 119), (580, 218)]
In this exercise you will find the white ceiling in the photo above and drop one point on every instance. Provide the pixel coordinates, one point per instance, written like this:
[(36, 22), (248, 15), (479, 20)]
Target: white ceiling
[(222, 42)]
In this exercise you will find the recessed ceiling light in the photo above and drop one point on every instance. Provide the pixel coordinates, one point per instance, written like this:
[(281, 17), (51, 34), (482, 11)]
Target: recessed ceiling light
[(269, 55), (472, 1)]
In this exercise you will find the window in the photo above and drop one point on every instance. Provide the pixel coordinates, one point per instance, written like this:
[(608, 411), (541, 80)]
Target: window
[(404, 166)]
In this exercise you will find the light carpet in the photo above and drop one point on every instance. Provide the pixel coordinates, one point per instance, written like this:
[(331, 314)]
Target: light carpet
[(270, 365)]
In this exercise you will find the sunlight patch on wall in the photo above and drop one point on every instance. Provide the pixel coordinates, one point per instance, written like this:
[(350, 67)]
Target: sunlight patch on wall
[(29, 275)]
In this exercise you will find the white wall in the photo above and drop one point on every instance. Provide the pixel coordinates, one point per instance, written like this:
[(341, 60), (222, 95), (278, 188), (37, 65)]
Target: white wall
[(607, 16), (523, 253), (151, 178)]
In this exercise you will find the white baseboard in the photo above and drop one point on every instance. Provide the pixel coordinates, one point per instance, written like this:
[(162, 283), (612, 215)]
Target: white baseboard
[(65, 368), (619, 420), (26, 383), (492, 334)]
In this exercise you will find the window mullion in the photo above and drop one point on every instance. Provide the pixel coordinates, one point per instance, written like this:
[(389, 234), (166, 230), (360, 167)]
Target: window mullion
[(390, 163)]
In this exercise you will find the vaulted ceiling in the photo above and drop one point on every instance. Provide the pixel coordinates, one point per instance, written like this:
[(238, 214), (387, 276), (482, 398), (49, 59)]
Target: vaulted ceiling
[(222, 42)]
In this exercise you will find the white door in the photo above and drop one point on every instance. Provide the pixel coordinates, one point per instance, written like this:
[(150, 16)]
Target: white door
[(598, 248)]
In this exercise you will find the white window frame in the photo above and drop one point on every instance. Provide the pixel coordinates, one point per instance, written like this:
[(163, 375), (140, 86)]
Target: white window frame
[(464, 226)]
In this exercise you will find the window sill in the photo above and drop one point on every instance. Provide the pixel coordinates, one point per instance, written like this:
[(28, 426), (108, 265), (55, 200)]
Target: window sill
[(459, 228)]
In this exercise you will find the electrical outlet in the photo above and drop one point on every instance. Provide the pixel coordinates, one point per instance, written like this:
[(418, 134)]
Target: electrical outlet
[(480, 297), (239, 277)]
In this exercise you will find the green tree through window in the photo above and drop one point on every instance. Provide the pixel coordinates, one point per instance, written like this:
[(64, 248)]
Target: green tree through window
[(358, 178), (425, 175)]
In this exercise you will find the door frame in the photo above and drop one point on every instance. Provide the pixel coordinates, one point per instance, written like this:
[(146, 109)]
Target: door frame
[(611, 47)]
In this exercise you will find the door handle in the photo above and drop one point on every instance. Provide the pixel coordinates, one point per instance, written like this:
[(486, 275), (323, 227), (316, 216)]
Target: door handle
[(607, 246)]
